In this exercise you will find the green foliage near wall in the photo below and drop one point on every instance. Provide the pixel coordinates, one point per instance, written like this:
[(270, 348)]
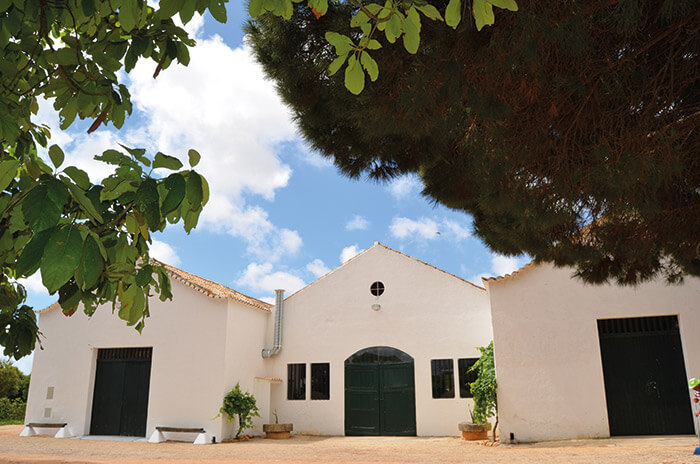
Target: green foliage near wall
[(484, 388), (241, 404), (12, 411)]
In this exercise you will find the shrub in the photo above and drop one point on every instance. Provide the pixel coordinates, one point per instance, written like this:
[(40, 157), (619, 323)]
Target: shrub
[(242, 404), (12, 410), (484, 387)]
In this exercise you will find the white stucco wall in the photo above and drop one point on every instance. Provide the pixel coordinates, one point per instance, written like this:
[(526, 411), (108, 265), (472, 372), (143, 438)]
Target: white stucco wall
[(425, 312), (187, 371), (245, 339), (548, 362)]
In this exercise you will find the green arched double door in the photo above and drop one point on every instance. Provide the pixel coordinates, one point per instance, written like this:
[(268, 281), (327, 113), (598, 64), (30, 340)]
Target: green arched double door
[(380, 394)]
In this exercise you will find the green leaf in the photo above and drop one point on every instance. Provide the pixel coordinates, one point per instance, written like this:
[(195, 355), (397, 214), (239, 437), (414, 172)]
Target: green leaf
[(85, 204), (91, 264), (194, 157), (187, 10), (430, 11), (354, 76), (30, 259), (336, 64), (370, 65), (129, 14), (359, 19), (205, 190), (79, 176), (194, 190), (483, 14), (175, 184), (217, 8), (41, 210), (342, 44), (374, 45), (168, 8), (394, 27), (412, 26), (505, 4), (8, 171), (132, 304), (255, 8), (61, 257), (453, 13), (147, 201), (56, 155), (165, 161)]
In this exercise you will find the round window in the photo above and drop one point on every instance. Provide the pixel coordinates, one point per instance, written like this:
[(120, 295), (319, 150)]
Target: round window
[(376, 288)]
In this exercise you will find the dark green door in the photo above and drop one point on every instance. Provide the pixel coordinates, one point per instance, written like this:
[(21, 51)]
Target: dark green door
[(120, 399), (644, 373), (380, 393)]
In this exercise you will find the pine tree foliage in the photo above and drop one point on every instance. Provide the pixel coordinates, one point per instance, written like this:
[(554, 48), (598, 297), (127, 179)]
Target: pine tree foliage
[(570, 131)]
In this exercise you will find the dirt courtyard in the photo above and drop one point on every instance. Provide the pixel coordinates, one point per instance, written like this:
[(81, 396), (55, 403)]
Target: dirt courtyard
[(345, 450)]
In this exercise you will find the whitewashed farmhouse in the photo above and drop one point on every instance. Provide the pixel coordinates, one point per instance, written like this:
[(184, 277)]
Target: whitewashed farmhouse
[(378, 346), (581, 361)]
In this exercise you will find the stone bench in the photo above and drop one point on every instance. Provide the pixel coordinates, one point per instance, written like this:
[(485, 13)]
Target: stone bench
[(30, 429), (159, 437)]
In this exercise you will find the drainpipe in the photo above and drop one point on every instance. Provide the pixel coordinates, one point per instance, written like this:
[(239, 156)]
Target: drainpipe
[(279, 300)]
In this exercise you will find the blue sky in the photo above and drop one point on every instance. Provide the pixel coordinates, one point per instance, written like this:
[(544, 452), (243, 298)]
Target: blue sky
[(279, 215)]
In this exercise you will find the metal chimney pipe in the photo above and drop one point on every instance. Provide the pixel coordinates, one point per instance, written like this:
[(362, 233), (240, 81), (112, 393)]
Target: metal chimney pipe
[(279, 302)]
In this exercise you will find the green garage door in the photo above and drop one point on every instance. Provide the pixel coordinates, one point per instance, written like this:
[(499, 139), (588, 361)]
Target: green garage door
[(380, 393)]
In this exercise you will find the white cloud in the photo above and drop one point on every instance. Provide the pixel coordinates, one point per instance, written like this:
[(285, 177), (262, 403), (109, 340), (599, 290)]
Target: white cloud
[(260, 277), (222, 105), (424, 228), (317, 268), (348, 252), (33, 284), (502, 265), (357, 223), (164, 253), (404, 186), (455, 229)]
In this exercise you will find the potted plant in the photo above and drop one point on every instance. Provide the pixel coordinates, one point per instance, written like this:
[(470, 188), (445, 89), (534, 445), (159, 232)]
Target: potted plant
[(241, 404), (485, 401), (277, 430)]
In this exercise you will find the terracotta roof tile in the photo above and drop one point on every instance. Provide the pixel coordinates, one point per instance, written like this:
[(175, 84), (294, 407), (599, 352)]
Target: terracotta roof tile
[(214, 289), (509, 276), (271, 379)]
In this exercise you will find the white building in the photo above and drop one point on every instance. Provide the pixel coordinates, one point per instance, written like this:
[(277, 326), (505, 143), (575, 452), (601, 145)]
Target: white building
[(378, 346), (581, 361)]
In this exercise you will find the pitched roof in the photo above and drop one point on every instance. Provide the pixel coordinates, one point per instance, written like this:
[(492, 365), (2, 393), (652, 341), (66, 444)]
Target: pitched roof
[(513, 274), (381, 245), (213, 289), (208, 287)]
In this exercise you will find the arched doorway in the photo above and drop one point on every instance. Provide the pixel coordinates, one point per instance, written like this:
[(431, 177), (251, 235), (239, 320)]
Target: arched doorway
[(380, 394)]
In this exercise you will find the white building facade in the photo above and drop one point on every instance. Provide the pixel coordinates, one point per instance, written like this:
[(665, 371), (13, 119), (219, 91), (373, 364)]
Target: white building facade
[(582, 361), (378, 346)]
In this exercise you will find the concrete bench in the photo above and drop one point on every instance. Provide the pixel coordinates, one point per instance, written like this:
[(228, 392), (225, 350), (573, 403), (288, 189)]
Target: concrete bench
[(159, 437), (30, 429)]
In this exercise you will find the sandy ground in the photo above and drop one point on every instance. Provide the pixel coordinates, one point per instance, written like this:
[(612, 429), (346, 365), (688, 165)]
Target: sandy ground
[(345, 450)]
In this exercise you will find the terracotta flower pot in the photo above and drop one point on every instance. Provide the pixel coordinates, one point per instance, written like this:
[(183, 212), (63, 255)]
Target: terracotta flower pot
[(474, 431), (277, 431)]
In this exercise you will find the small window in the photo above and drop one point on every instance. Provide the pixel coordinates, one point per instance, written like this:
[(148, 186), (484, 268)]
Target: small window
[(376, 288), (443, 378), (466, 377), (47, 412), (320, 381), (296, 381), (49, 393)]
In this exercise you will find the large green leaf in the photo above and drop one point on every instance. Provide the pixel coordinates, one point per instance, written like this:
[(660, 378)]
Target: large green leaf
[(8, 171), (453, 13), (370, 65), (354, 76), (85, 204), (194, 189), (79, 176), (30, 259), (61, 257), (56, 155), (91, 264), (194, 157), (43, 205), (132, 303), (342, 44), (148, 202), (164, 161), (483, 14), (175, 184)]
